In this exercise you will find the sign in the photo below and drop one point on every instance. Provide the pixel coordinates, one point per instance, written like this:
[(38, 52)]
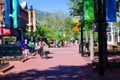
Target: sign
[(5, 31)]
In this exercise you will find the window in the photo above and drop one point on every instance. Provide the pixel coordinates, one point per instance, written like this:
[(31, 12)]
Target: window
[(108, 29), (109, 37)]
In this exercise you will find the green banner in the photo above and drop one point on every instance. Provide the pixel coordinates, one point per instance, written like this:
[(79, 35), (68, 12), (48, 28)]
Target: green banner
[(15, 13), (89, 10)]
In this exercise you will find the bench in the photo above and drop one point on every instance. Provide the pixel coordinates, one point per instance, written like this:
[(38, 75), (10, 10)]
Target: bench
[(113, 47)]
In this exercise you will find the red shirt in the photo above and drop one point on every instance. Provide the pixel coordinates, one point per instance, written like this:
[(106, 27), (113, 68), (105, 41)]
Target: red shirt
[(41, 45)]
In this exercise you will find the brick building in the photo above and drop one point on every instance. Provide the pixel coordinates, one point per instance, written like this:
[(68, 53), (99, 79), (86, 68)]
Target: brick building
[(17, 18), (7, 22)]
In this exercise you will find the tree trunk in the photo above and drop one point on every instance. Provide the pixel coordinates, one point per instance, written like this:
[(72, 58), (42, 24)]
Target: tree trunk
[(91, 44)]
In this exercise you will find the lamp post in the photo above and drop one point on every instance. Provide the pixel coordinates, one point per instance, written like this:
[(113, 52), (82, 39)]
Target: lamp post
[(81, 43), (31, 9)]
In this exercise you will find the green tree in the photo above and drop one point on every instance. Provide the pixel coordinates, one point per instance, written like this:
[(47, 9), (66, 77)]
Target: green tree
[(52, 24)]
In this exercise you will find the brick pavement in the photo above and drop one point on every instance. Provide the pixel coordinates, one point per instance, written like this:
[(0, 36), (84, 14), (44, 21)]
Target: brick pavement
[(62, 64)]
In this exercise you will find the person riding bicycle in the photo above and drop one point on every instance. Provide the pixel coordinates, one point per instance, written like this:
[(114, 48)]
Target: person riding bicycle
[(43, 49)]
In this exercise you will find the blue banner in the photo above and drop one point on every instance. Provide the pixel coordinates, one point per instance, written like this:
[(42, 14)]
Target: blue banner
[(7, 13), (110, 10), (18, 14)]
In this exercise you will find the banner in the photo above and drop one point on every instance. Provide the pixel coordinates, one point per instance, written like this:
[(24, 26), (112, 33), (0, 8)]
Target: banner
[(59, 33), (76, 29), (89, 10), (16, 13), (34, 20), (110, 10), (7, 13), (76, 20)]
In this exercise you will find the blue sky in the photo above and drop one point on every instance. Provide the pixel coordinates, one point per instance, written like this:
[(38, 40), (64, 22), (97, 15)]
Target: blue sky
[(48, 5)]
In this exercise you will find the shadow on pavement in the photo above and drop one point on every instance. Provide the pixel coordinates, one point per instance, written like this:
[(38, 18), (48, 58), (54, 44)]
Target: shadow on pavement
[(54, 73)]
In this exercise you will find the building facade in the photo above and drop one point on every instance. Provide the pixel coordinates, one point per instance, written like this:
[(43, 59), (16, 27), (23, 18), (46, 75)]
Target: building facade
[(13, 17)]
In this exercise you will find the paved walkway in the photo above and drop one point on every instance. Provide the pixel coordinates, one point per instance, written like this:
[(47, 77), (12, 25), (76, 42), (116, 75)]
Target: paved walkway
[(62, 64)]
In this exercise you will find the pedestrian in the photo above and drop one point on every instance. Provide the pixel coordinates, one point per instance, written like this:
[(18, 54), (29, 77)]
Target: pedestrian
[(87, 46), (41, 47), (26, 48), (31, 46), (22, 42), (57, 44), (43, 50), (73, 41)]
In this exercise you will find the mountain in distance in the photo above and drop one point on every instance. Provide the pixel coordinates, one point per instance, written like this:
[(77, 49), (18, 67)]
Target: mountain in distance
[(40, 15)]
